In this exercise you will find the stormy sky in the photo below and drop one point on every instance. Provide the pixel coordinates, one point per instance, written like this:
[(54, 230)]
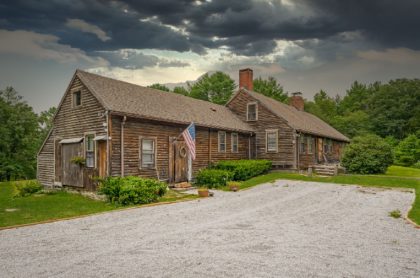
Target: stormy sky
[(307, 45)]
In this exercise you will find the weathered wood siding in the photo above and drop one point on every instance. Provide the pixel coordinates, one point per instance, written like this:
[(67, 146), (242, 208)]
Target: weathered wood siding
[(71, 122), (267, 120), (45, 162), (162, 132)]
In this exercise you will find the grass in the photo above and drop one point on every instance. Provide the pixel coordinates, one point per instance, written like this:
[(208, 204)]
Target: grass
[(395, 213), (400, 171), (57, 205), (387, 180)]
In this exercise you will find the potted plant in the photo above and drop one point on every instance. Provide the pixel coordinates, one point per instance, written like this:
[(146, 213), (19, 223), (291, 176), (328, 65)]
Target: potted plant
[(234, 185), (78, 160), (203, 192)]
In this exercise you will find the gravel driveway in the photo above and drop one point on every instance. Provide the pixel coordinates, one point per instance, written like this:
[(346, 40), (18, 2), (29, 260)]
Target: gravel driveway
[(285, 229)]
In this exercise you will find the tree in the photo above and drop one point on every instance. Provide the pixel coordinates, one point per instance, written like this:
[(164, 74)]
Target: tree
[(270, 88), (19, 141), (217, 88), (394, 109), (181, 91), (407, 152), (160, 87), (323, 106), (352, 124), (45, 121), (368, 154)]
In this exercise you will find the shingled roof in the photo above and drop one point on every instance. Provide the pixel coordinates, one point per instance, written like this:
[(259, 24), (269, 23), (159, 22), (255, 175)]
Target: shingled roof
[(300, 120), (134, 100)]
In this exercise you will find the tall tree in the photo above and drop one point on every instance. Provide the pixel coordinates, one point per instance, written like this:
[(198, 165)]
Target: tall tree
[(323, 106), (217, 88), (19, 140), (269, 87)]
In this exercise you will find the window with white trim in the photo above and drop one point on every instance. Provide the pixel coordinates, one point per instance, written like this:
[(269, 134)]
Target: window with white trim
[(222, 141), (90, 150), (147, 153), (251, 111), (327, 145), (77, 98), (234, 139), (271, 137)]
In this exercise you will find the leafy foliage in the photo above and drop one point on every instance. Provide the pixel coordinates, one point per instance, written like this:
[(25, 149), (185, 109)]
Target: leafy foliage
[(217, 88), (407, 152), (213, 178), (181, 90), (369, 154), (19, 137), (160, 87), (270, 88), (244, 169), (132, 190), (26, 188)]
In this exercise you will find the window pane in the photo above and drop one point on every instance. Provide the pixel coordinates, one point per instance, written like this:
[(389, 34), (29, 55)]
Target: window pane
[(234, 142), (272, 141), (147, 158), (90, 161), (252, 112), (222, 141), (89, 143), (147, 145)]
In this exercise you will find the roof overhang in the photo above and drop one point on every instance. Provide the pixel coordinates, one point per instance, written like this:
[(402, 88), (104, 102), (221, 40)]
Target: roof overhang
[(71, 140)]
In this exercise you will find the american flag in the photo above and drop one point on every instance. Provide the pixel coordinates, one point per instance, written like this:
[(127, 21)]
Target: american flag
[(189, 137)]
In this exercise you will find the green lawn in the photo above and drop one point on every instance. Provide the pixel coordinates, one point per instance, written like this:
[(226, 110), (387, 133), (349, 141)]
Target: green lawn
[(403, 172), (61, 204), (371, 180)]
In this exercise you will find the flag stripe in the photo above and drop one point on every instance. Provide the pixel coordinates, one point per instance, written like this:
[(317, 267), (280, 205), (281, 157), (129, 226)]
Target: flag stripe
[(189, 137)]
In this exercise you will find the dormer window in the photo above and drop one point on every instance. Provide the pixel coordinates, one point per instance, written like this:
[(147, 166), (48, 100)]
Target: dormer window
[(77, 98), (252, 111)]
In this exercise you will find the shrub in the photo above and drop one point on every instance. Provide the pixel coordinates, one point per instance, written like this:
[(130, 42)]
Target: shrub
[(244, 169), (407, 152), (417, 165), (395, 213), (26, 188), (368, 154), (132, 190), (213, 178)]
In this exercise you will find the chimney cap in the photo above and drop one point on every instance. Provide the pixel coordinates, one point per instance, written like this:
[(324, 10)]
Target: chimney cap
[(245, 69), (297, 94)]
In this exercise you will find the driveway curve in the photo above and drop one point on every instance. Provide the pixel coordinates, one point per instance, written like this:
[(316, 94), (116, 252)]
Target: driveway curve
[(281, 229)]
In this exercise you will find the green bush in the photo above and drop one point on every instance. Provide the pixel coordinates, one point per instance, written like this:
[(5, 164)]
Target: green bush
[(213, 178), (132, 190), (244, 169), (417, 165), (26, 188), (368, 154), (407, 152)]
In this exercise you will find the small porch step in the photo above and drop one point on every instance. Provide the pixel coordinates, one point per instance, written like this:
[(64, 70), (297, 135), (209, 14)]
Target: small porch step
[(325, 170)]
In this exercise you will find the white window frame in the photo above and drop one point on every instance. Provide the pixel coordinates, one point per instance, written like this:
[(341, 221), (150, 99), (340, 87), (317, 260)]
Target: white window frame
[(256, 111), (73, 98), (233, 143), (85, 140), (271, 131), (154, 145), (221, 143)]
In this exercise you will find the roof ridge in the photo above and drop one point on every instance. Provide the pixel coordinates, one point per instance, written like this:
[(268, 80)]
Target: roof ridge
[(148, 88)]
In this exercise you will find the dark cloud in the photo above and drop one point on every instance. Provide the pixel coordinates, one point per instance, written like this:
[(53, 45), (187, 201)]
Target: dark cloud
[(245, 27)]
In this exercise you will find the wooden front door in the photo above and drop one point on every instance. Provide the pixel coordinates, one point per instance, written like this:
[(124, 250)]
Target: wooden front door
[(181, 161), (72, 173), (101, 158)]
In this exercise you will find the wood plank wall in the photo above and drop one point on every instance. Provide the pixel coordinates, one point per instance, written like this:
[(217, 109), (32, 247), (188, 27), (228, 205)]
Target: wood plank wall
[(71, 122), (267, 120), (45, 162), (135, 128)]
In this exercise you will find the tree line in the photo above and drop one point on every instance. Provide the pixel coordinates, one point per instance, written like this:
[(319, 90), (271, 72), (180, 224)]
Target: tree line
[(390, 110)]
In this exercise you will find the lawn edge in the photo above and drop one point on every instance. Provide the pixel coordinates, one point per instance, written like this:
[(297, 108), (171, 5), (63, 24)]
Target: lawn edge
[(95, 213)]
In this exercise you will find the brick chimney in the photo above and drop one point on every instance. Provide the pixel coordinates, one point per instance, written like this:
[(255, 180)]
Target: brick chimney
[(296, 100), (246, 79)]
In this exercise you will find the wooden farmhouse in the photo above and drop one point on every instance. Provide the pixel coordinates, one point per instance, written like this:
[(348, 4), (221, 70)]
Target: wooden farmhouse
[(105, 127)]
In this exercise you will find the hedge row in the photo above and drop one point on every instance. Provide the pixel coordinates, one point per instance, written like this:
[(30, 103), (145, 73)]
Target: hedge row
[(244, 169), (237, 170), (132, 190)]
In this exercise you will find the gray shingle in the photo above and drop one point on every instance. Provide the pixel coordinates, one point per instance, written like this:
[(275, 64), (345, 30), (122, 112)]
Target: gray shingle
[(131, 99)]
